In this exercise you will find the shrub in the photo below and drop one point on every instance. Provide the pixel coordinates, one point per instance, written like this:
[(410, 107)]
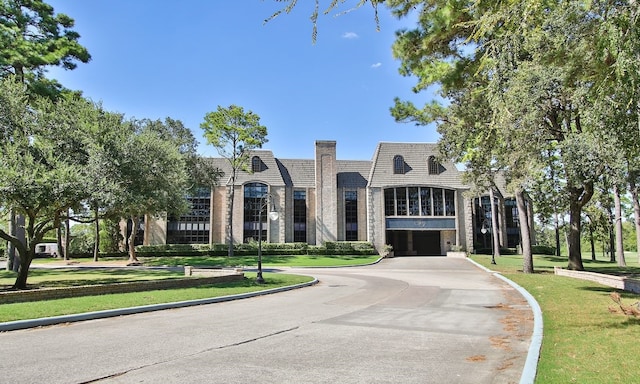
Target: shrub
[(543, 250)]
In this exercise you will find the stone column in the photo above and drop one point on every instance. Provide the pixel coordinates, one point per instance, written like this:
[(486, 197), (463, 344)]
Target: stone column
[(326, 192)]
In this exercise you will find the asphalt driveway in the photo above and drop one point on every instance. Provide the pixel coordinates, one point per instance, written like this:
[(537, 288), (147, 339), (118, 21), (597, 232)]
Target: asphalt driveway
[(404, 320)]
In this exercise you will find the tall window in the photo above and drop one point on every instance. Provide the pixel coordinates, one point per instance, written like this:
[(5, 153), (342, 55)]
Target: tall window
[(351, 215), (300, 216), (449, 205), (401, 201), (419, 201), (438, 202), (192, 227), (425, 201), (433, 165), (398, 164), (389, 202), (254, 223), (414, 201)]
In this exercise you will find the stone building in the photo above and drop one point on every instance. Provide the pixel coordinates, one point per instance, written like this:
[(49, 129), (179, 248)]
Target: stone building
[(403, 197)]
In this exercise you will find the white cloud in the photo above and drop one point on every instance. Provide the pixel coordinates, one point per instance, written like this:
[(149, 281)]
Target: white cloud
[(376, 65), (350, 35)]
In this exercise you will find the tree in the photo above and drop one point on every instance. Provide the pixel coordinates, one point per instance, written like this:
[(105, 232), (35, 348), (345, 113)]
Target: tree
[(152, 172), (42, 163), (234, 133), (33, 37)]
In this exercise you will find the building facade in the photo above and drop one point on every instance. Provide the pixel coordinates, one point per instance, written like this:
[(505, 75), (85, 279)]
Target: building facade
[(402, 197)]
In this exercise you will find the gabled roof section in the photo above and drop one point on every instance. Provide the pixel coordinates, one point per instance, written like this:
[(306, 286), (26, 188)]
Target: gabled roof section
[(297, 173), (353, 173), (270, 173), (416, 156)]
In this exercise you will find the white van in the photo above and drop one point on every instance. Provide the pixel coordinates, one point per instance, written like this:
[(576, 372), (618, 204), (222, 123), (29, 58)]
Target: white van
[(47, 250)]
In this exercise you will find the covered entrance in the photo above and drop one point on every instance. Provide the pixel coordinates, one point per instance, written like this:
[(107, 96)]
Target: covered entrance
[(415, 243)]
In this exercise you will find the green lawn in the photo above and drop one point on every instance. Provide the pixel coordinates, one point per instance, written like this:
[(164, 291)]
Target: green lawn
[(47, 308), (44, 278), (583, 341)]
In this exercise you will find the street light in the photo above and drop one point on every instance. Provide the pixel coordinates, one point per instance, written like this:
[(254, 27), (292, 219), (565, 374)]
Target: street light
[(484, 231), (273, 216)]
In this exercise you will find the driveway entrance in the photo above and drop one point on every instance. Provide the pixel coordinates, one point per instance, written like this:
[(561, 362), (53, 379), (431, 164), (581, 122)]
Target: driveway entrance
[(404, 320), (415, 243)]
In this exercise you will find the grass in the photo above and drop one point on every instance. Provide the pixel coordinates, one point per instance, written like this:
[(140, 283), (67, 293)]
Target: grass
[(44, 278), (583, 341), (58, 307), (52, 278)]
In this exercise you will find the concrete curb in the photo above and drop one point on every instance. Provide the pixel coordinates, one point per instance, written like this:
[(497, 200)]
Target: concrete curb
[(531, 364), (45, 321)]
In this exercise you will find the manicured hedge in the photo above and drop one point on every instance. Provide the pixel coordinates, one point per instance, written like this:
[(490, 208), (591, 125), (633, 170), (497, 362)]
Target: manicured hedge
[(329, 248)]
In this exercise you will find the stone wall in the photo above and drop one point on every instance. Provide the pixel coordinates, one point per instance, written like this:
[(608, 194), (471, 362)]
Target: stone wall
[(102, 289), (618, 282)]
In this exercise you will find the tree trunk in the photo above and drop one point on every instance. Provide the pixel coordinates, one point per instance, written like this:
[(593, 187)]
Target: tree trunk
[(132, 239), (557, 228), (636, 213), (59, 240), (67, 236), (495, 236), (230, 216), (618, 221), (12, 262), (26, 254), (96, 246), (573, 239), (525, 231), (593, 243)]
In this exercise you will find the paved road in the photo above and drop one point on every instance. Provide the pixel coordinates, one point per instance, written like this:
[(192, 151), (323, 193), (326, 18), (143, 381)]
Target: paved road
[(404, 320)]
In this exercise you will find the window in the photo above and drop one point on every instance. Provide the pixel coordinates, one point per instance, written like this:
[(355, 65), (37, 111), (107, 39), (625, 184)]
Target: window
[(351, 215), (256, 164), (438, 202), (414, 202), (398, 164), (401, 201), (192, 227), (300, 216), (449, 202), (425, 201), (254, 222), (419, 201), (433, 165), (389, 202)]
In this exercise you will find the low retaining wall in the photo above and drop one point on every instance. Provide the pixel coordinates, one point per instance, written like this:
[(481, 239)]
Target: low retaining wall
[(211, 271), (618, 282), (102, 289)]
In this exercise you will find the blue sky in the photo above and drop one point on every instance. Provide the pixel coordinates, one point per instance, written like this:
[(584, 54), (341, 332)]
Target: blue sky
[(181, 59)]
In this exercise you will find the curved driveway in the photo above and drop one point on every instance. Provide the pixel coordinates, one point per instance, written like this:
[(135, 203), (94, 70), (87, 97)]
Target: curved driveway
[(403, 320)]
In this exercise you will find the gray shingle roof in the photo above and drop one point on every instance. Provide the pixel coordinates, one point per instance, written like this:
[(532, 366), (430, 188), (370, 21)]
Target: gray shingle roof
[(270, 173), (416, 157), (298, 173), (353, 173)]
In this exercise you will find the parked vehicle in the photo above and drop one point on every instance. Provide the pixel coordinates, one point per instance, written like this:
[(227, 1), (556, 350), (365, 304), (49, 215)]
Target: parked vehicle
[(47, 250)]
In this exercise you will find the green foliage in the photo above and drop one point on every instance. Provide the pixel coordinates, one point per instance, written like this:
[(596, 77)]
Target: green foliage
[(543, 250), (329, 248), (32, 37), (234, 133)]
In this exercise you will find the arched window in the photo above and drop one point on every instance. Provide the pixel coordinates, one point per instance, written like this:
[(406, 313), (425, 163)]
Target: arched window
[(256, 164), (398, 164), (433, 166)]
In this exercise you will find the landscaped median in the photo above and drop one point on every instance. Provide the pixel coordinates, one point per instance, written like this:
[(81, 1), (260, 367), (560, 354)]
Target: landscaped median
[(154, 298), (585, 340)]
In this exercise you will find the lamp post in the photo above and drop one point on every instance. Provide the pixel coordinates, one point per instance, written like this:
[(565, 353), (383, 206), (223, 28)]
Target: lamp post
[(273, 215), (484, 231)]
